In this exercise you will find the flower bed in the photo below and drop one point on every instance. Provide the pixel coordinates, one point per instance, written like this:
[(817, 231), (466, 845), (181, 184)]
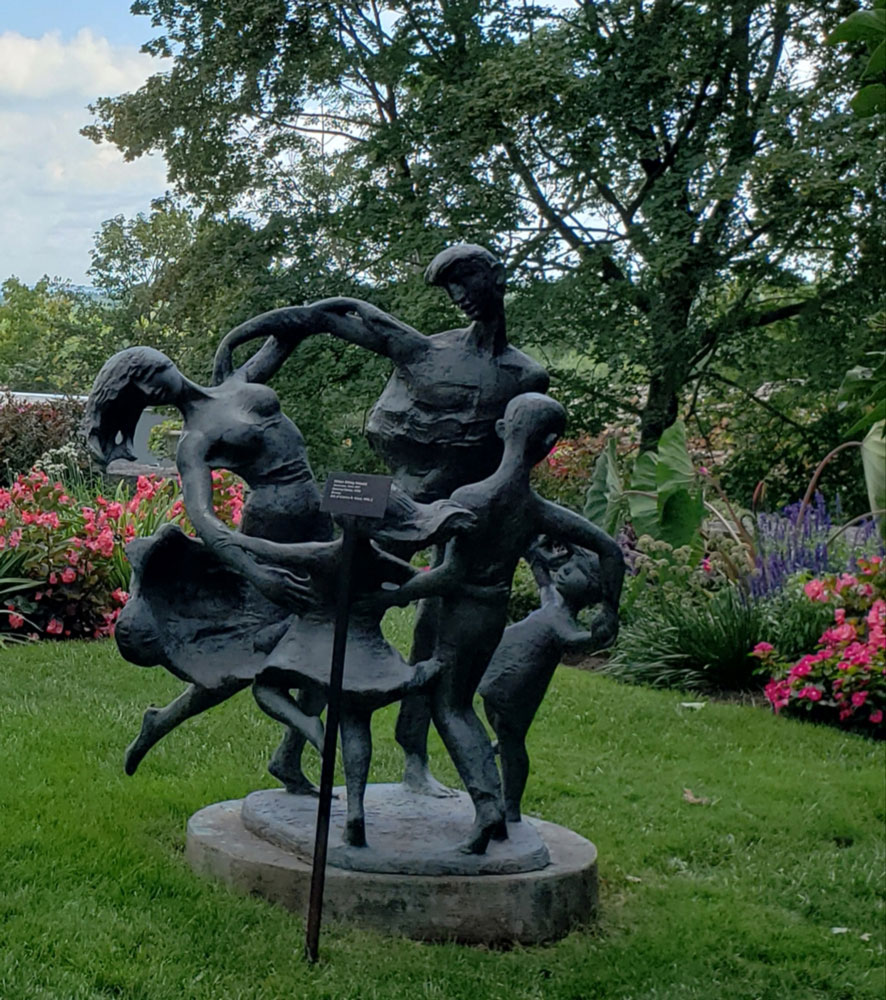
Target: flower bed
[(844, 679), (63, 571)]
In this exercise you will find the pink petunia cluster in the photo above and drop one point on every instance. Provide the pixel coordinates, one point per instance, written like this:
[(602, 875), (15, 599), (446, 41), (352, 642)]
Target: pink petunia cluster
[(74, 553), (845, 676)]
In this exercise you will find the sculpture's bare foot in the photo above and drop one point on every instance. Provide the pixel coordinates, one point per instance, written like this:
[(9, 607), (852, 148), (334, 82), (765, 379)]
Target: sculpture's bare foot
[(481, 834), (295, 782), (137, 749), (355, 832), (419, 780)]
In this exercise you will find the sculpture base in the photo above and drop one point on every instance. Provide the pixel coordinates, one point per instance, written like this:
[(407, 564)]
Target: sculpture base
[(526, 907), (406, 833)]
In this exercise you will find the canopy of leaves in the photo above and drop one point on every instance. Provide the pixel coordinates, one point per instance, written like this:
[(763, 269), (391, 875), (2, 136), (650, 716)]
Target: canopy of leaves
[(664, 179)]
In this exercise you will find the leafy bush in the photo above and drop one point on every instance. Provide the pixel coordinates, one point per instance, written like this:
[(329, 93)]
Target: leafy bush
[(63, 571), (844, 680), (27, 430), (701, 644)]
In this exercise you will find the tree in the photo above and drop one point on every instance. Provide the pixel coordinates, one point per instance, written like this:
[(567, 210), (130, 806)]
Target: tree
[(628, 158), (52, 337)]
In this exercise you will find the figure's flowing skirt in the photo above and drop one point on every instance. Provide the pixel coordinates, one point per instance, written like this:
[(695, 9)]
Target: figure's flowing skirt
[(190, 613)]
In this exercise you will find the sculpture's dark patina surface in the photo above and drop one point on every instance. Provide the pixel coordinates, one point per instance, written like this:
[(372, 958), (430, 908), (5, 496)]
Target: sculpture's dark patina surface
[(525, 659), (461, 423)]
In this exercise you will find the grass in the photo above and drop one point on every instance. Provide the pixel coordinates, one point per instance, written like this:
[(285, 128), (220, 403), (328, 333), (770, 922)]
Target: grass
[(734, 899)]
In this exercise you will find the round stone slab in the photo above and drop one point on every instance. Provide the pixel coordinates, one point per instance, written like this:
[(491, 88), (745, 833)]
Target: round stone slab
[(526, 907), (406, 834)]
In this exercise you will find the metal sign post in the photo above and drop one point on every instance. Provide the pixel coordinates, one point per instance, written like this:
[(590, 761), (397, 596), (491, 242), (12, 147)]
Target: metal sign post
[(347, 495)]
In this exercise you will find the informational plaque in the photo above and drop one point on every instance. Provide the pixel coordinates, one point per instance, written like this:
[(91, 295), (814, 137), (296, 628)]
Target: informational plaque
[(356, 493)]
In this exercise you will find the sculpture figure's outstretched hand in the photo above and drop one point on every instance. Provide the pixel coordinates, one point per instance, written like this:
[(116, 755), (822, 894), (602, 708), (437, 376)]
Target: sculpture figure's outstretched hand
[(284, 588)]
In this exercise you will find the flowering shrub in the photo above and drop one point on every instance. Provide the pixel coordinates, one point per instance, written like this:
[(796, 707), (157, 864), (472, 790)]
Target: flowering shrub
[(844, 679), (27, 430), (798, 540), (63, 562), (564, 475)]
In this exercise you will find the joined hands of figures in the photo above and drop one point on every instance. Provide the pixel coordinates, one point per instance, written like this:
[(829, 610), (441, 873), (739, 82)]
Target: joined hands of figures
[(285, 588)]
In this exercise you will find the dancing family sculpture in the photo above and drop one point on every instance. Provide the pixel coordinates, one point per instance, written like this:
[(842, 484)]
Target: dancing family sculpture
[(461, 423)]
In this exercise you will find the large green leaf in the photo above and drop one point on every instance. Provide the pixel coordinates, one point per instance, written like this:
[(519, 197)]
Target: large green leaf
[(877, 63), (643, 497), (605, 503), (873, 458), (680, 514), (674, 469), (862, 26), (870, 100)]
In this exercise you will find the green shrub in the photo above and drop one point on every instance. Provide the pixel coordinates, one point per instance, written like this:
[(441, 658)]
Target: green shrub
[(701, 644), (28, 430)]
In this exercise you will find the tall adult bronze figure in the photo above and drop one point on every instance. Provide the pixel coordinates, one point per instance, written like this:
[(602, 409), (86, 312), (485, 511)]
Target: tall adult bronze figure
[(434, 423)]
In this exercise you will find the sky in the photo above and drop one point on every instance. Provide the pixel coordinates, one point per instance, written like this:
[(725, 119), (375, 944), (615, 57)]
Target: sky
[(57, 187)]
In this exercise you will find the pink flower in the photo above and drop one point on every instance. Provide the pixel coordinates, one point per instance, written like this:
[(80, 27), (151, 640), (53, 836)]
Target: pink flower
[(762, 649), (859, 698), (14, 538), (840, 615), (68, 575), (54, 627), (845, 580), (16, 621), (53, 578), (815, 591), (706, 565), (877, 717)]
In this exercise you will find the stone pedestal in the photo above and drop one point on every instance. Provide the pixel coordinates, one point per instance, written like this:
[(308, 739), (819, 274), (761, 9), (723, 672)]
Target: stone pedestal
[(534, 887)]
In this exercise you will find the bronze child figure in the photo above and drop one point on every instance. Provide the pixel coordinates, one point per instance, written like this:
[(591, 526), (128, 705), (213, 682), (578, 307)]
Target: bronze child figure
[(518, 676), (475, 578)]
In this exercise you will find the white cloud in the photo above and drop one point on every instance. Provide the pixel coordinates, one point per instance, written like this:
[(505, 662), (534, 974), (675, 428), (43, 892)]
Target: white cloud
[(56, 186), (38, 68)]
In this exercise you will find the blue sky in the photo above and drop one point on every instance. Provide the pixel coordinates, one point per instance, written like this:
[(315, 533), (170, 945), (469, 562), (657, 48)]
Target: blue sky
[(110, 18), (57, 187)]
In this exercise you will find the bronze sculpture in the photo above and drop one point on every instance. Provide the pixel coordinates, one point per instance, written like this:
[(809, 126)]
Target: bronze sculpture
[(434, 424), (461, 422)]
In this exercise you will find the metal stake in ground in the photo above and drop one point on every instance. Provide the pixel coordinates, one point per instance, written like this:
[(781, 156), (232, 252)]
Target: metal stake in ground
[(333, 711)]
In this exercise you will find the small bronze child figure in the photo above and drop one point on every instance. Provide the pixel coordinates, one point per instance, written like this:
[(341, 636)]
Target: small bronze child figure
[(517, 678)]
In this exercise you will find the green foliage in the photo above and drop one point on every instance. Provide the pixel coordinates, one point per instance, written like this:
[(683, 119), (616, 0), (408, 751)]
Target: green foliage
[(28, 430), (867, 26), (664, 500), (701, 645), (53, 338), (628, 160)]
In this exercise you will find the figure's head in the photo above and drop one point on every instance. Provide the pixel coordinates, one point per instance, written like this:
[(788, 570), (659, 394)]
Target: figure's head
[(534, 423), (473, 278), (577, 578), (127, 383)]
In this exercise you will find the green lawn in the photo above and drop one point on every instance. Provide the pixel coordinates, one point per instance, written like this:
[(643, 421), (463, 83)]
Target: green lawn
[(734, 899)]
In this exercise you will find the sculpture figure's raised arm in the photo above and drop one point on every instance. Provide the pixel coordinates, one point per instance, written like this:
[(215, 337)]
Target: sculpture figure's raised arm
[(277, 584), (351, 320), (567, 526)]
